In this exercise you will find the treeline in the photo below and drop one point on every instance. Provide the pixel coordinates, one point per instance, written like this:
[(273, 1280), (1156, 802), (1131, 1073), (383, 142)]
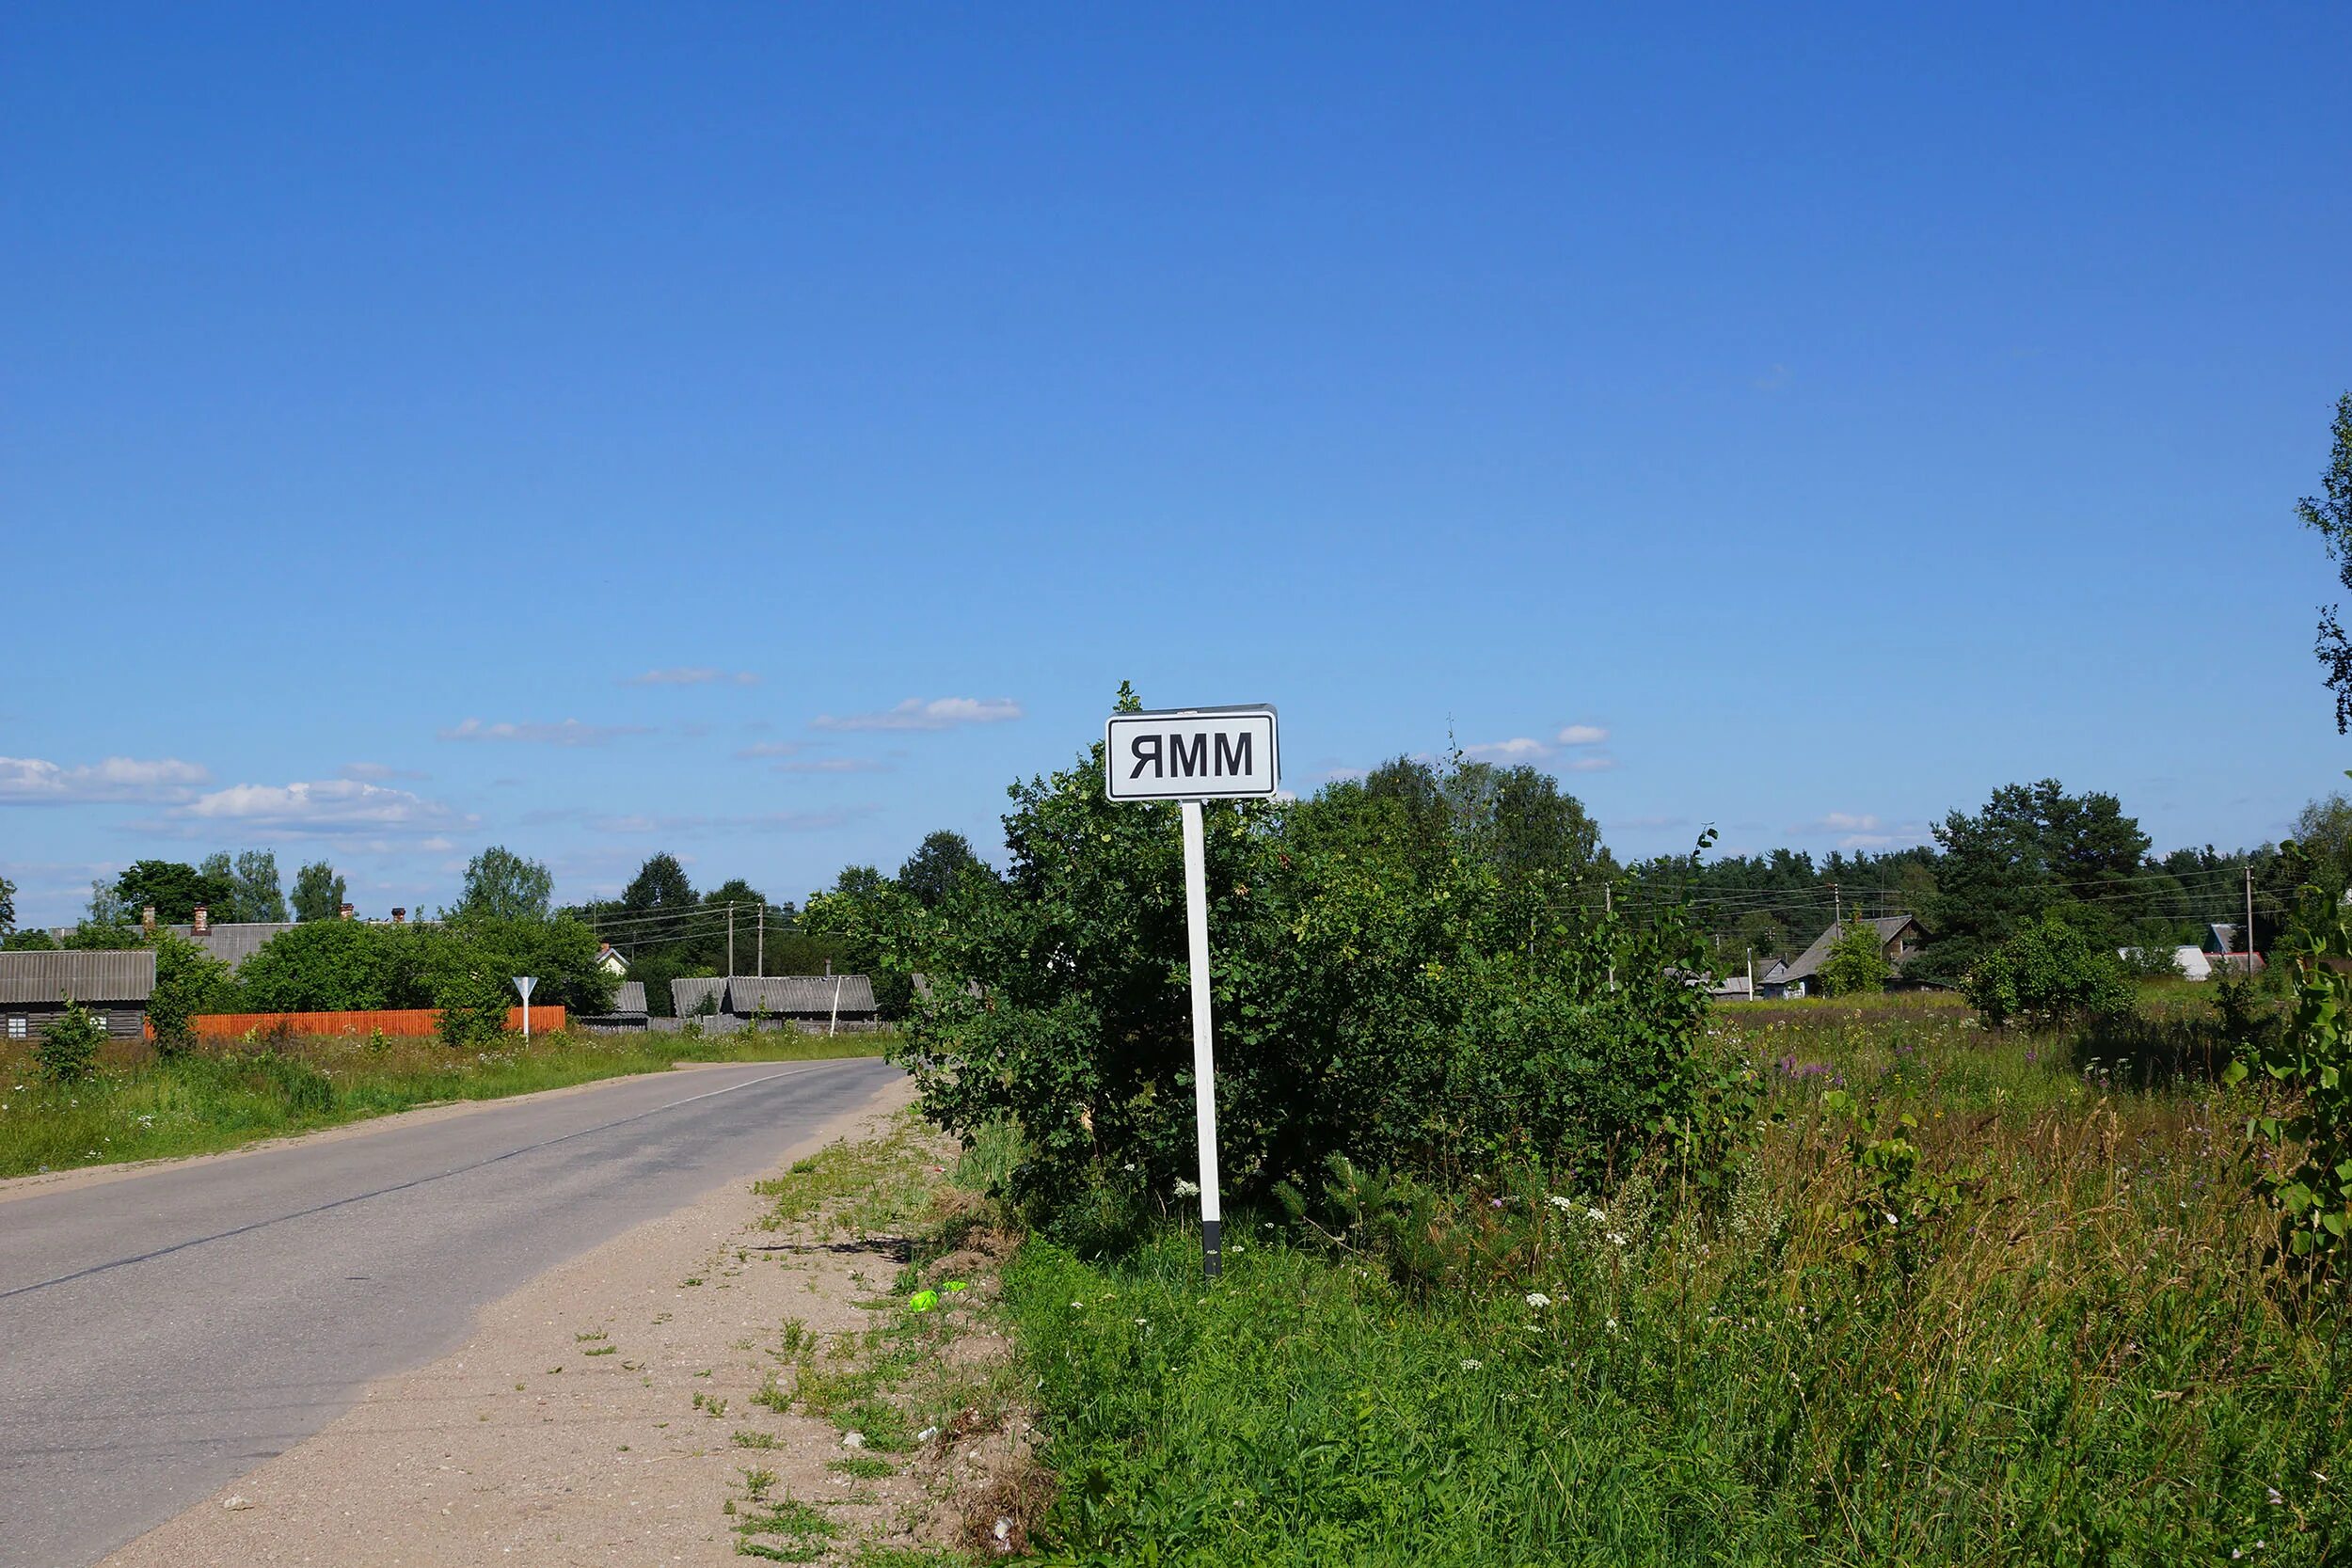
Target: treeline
[(2032, 850), (664, 930)]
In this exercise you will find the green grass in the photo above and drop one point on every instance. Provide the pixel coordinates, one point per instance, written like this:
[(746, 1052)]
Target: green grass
[(140, 1107), (2089, 1363)]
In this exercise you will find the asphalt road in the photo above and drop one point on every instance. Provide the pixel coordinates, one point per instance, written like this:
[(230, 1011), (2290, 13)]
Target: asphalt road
[(163, 1334)]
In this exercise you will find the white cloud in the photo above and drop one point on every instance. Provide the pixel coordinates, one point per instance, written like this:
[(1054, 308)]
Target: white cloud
[(770, 749), (31, 782), (1855, 829), (1581, 735), (571, 732), (323, 807), (693, 676), (375, 772), (1517, 749), (939, 713)]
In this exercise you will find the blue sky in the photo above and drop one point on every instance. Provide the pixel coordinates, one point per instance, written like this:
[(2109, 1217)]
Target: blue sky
[(762, 432)]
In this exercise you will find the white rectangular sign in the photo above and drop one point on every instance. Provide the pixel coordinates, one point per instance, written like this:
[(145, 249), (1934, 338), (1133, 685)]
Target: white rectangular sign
[(1194, 753)]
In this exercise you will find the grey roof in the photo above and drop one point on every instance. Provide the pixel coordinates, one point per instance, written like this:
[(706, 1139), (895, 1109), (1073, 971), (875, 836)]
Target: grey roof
[(1888, 926), (128, 976), (687, 995), (630, 997), (233, 942), (799, 995), (923, 987)]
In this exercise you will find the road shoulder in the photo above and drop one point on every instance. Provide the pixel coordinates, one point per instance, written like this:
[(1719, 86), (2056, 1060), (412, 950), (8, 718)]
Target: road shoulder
[(686, 1393)]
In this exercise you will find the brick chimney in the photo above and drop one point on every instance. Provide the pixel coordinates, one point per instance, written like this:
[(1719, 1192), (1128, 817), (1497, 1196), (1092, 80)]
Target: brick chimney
[(400, 917), (203, 920), (147, 919), (344, 914)]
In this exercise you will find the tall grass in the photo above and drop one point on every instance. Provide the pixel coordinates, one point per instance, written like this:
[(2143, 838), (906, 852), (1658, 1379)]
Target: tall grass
[(2085, 1358), (139, 1106)]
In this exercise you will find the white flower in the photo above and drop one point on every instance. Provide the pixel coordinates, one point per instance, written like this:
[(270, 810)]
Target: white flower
[(1471, 1366), (1612, 1326), (1595, 1215), (1187, 1189), (1892, 1220), (1616, 1237), (1539, 1300), (1564, 1205)]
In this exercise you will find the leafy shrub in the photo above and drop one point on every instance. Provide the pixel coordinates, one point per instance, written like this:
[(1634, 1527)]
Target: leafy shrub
[(1856, 962), (68, 1051), (472, 998), (2049, 972), (1417, 1013), (188, 981), (2311, 1059)]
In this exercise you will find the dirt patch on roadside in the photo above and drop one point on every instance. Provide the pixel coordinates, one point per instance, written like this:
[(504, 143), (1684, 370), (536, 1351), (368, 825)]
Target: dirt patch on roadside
[(683, 1394)]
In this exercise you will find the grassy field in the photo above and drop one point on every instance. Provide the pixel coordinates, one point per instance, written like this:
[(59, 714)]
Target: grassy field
[(138, 1107), (2069, 1348)]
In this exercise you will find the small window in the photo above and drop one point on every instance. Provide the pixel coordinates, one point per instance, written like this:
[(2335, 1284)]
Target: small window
[(17, 1030)]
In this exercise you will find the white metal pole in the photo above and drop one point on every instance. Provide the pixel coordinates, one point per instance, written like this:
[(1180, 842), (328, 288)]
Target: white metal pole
[(835, 1023), (1203, 1062), (2249, 917)]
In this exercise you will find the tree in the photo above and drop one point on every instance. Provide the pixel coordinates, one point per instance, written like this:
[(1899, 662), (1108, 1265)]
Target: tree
[(7, 909), (172, 889), (259, 896), (1856, 962), (503, 885), (2032, 850), (2049, 972), (659, 884), (318, 893), (2330, 514), (932, 872), (2322, 832), (188, 981)]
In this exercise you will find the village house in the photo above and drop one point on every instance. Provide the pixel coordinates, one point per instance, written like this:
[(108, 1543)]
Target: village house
[(1899, 937), (36, 988)]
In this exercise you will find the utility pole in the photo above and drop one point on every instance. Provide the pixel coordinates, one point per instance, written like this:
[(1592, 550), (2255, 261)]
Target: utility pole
[(1751, 973), (1609, 907), (759, 964), (730, 936), (2249, 917), (1837, 907)]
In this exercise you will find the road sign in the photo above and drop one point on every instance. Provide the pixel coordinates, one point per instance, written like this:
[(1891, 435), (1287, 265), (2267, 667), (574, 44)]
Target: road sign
[(523, 983), (1189, 755), (1194, 753)]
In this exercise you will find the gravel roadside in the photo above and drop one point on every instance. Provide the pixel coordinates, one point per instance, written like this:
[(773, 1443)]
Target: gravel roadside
[(593, 1418)]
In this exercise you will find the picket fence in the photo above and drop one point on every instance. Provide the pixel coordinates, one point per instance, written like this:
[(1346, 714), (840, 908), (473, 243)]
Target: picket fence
[(545, 1018)]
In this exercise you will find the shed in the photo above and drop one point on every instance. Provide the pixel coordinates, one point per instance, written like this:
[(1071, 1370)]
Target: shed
[(802, 998), (627, 1010), (689, 994), (115, 986)]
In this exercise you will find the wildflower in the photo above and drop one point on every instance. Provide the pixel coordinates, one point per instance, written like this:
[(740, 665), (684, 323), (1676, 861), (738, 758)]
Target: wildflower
[(2275, 1500), (1616, 1237), (1891, 1220), (1494, 1203), (1564, 1205), (1539, 1300), (1595, 1215), (1187, 1189), (1079, 1305), (1611, 1325), (1471, 1366)]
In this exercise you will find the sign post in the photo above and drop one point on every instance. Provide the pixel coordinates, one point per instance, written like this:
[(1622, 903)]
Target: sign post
[(1189, 755), (523, 983)]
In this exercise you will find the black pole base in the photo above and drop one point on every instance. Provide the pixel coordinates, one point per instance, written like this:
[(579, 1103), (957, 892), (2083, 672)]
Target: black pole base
[(1209, 1257)]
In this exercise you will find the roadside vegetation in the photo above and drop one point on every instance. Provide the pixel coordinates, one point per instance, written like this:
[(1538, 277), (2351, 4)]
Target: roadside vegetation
[(132, 1103), (1533, 1257)]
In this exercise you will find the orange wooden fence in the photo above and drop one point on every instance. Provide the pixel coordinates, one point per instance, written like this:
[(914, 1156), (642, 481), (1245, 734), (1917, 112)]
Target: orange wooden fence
[(545, 1017)]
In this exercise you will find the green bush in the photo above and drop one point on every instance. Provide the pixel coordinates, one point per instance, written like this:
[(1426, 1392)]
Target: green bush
[(188, 981), (1417, 1013), (2310, 1179), (2051, 972), (68, 1051), (1856, 962)]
